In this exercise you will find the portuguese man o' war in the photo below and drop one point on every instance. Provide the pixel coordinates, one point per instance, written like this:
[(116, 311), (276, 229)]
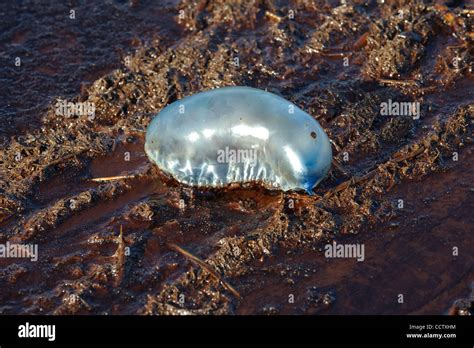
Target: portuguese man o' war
[(239, 135)]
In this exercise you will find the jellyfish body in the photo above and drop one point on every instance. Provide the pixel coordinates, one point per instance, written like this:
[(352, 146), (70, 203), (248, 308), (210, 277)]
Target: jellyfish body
[(239, 135)]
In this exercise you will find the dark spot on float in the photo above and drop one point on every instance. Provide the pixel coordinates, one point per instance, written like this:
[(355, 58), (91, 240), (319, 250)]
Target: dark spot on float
[(313, 135)]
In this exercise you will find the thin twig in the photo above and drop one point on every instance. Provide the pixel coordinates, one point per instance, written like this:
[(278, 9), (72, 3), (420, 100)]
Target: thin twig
[(335, 54), (120, 254), (399, 82), (340, 167), (204, 265), (398, 158), (273, 16), (111, 178), (370, 174)]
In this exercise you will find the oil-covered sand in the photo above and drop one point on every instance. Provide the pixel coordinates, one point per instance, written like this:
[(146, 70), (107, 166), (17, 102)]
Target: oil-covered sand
[(238, 250)]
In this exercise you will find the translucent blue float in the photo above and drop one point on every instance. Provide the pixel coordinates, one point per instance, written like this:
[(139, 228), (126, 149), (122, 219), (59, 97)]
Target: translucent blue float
[(239, 135)]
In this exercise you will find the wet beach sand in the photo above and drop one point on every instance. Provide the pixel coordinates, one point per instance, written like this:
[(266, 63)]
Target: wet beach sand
[(144, 244)]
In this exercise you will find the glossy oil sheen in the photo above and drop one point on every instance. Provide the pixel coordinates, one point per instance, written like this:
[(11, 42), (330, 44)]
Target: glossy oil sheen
[(239, 135)]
